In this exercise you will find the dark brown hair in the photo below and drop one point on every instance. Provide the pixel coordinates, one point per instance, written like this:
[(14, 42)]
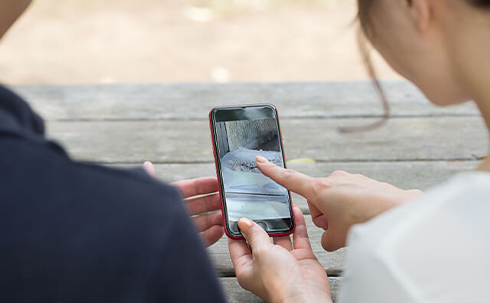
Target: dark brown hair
[(480, 3), (364, 18)]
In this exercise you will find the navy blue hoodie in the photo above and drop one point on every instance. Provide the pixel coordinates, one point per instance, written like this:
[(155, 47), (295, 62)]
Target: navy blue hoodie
[(76, 232)]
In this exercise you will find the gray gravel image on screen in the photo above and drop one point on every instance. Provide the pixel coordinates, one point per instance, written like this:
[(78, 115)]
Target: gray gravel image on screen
[(248, 192)]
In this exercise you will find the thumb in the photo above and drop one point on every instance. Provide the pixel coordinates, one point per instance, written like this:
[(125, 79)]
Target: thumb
[(256, 237), (290, 179)]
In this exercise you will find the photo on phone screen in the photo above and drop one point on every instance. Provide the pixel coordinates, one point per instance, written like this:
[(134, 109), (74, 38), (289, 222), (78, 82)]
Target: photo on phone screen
[(240, 134)]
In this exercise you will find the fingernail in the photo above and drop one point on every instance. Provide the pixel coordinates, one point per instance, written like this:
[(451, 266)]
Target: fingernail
[(261, 159), (245, 224)]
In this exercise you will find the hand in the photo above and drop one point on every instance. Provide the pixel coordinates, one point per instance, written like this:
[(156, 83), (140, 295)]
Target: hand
[(279, 272), (202, 202), (339, 201)]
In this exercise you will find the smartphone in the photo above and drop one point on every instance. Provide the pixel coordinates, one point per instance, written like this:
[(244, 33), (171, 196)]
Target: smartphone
[(239, 133)]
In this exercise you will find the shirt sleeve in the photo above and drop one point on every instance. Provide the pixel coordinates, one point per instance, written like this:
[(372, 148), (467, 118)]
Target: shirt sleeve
[(366, 278), (431, 250)]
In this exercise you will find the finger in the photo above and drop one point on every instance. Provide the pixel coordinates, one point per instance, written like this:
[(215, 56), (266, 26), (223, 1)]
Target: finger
[(240, 253), (331, 240), (318, 217), (255, 235), (201, 186), (290, 179), (300, 235), (150, 169), (204, 222), (284, 241), (197, 206), (212, 235)]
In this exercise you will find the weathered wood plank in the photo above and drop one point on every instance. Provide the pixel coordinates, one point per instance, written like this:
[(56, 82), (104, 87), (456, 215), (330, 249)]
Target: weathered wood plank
[(236, 294), (402, 174), (406, 175), (332, 261), (441, 138), (193, 101), (413, 174)]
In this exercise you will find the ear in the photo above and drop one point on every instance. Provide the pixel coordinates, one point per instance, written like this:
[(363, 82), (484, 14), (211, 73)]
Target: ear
[(421, 12)]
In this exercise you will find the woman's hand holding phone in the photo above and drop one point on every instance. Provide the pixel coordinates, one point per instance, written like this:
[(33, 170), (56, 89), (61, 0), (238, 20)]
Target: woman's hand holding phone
[(203, 204), (281, 272), (340, 200)]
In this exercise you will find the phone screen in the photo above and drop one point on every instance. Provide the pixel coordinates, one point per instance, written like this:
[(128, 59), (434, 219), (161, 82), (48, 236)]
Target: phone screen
[(240, 133)]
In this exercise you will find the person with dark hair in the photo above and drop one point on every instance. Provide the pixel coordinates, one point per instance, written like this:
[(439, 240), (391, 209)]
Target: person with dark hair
[(404, 246), (76, 232)]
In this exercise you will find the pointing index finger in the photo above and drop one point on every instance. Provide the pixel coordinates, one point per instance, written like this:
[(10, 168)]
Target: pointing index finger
[(290, 179)]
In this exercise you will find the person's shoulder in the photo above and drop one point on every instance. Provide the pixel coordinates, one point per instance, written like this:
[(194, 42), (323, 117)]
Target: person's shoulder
[(125, 189), (134, 176), (461, 191), (460, 198), (420, 242), (55, 181)]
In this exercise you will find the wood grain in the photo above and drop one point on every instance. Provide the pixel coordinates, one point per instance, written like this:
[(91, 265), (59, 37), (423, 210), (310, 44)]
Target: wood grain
[(429, 138), (235, 293), (122, 125), (193, 101)]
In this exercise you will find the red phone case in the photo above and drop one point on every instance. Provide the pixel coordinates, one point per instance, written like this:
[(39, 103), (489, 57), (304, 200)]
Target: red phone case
[(218, 175)]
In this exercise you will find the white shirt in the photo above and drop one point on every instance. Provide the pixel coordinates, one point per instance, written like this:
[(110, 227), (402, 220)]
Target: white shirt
[(435, 249)]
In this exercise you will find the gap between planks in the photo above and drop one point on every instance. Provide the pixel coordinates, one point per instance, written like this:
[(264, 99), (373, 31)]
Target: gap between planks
[(236, 294), (317, 117), (320, 161)]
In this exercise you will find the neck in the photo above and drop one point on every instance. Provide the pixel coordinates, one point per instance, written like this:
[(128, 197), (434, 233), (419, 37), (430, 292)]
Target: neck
[(470, 44)]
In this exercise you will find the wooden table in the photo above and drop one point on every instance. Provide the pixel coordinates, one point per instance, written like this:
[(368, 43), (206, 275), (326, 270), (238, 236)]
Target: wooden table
[(126, 124)]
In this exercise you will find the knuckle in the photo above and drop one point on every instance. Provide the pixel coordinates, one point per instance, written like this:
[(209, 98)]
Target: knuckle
[(319, 186), (288, 174), (252, 238), (259, 252), (414, 193), (339, 173)]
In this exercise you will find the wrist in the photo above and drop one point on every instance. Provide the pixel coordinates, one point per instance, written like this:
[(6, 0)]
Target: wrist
[(301, 295)]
